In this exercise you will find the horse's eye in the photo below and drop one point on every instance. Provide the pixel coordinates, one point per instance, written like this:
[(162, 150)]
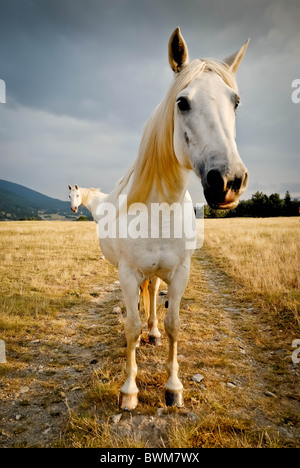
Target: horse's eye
[(237, 102), (183, 104)]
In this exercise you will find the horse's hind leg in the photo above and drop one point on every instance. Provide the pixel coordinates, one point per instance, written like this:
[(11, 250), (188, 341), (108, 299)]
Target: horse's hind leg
[(154, 334), (130, 287), (174, 388)]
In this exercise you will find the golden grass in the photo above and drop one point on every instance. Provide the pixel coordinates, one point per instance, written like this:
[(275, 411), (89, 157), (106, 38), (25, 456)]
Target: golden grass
[(56, 300), (263, 255), (44, 268), (220, 432)]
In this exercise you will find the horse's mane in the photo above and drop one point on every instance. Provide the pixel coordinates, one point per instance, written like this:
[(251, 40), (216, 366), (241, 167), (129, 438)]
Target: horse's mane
[(94, 189), (90, 189), (156, 165)]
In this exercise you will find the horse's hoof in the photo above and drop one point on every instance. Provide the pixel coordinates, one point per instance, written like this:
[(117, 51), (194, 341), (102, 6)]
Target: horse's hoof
[(128, 402), (155, 340), (174, 398)]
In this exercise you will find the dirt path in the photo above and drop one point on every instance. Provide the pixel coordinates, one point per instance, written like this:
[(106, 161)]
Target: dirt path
[(36, 399), (245, 376), (264, 368)]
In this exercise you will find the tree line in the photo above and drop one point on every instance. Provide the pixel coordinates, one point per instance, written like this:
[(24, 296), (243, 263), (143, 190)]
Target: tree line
[(259, 206)]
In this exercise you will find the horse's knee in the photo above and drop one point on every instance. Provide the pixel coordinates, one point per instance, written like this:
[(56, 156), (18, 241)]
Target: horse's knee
[(172, 325), (133, 329)]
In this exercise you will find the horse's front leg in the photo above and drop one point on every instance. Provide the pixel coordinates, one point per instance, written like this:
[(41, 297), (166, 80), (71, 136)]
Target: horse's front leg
[(154, 333), (174, 388), (130, 288)]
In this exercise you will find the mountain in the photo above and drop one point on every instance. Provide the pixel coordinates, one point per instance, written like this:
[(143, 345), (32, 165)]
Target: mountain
[(18, 202)]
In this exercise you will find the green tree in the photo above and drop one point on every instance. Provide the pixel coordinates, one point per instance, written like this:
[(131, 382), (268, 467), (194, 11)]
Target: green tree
[(260, 204), (276, 205)]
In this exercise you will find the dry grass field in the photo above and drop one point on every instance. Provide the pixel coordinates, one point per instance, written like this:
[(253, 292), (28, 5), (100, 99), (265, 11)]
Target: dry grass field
[(263, 255), (66, 346)]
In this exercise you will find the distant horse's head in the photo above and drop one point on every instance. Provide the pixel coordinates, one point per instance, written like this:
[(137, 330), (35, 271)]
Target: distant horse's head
[(204, 122), (75, 198)]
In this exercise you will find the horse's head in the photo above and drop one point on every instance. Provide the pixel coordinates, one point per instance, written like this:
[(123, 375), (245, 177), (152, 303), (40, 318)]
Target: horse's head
[(204, 123), (75, 198)]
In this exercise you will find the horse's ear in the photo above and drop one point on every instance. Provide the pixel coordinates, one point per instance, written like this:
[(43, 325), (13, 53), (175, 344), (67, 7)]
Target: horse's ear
[(70, 188), (76, 186), (234, 60), (178, 51)]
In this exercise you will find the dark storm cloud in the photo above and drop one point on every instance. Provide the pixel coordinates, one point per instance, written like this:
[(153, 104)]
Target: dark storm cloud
[(85, 75), (62, 55)]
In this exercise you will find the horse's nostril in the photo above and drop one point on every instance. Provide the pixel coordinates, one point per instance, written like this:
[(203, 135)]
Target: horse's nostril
[(237, 183), (215, 180)]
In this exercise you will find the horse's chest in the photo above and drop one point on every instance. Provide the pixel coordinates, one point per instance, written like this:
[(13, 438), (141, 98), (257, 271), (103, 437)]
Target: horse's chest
[(157, 258)]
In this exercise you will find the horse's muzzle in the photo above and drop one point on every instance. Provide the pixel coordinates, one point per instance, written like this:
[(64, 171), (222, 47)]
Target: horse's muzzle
[(222, 192)]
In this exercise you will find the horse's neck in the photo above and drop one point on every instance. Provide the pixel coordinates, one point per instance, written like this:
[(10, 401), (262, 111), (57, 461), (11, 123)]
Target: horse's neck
[(185, 177), (156, 197), (91, 199), (125, 184)]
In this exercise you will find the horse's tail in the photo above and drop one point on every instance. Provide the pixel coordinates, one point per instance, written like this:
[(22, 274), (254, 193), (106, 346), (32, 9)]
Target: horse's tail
[(144, 288)]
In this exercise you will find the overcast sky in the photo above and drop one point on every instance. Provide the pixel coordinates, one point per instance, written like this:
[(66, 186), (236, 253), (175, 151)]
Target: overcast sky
[(83, 76)]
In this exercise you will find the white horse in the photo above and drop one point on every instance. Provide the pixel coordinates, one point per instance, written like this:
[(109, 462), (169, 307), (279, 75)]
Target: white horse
[(88, 197), (91, 198), (192, 129)]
